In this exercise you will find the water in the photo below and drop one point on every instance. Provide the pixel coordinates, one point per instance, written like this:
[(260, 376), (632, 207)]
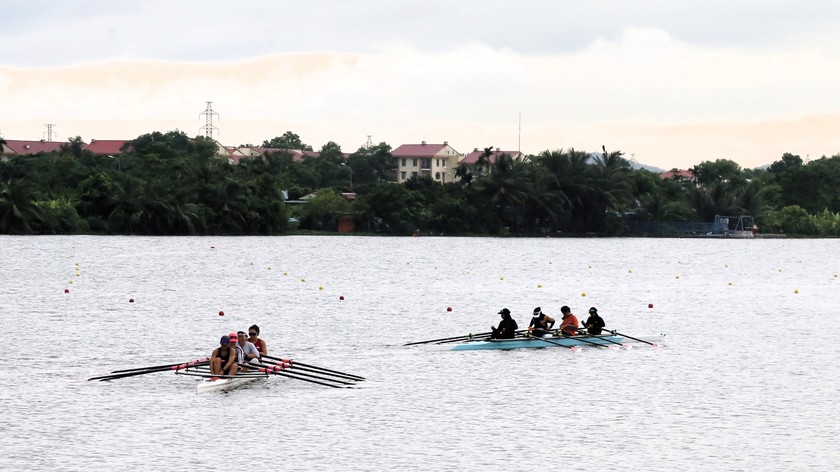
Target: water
[(746, 379)]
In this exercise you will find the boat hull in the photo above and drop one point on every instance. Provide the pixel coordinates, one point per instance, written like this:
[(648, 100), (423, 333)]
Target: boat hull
[(222, 384), (551, 341)]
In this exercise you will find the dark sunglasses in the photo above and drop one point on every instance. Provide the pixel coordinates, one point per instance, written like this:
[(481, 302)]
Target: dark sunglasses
[(252, 334)]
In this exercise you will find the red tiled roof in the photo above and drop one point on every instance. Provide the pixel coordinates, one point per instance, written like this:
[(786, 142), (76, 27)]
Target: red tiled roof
[(676, 174), (418, 150), (32, 147), (472, 157), (106, 146)]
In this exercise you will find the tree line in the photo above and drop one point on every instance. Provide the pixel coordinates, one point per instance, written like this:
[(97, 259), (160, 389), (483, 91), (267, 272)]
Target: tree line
[(171, 184)]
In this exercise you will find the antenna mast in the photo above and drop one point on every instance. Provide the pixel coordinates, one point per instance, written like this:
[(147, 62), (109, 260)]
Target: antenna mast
[(49, 131), (369, 142), (208, 127)]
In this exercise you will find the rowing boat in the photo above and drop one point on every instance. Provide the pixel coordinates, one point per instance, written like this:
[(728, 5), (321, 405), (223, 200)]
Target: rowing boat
[(549, 341), (223, 384)]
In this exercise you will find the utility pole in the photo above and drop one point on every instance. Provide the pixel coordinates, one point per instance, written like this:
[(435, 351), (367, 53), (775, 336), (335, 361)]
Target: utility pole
[(208, 127)]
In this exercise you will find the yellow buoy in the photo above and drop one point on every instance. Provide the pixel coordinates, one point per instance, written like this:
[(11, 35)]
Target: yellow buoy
[(285, 273), (269, 267), (71, 282), (320, 287), (678, 276), (252, 263), (629, 271), (590, 267), (539, 285), (583, 294), (730, 283), (501, 278), (303, 280), (796, 291)]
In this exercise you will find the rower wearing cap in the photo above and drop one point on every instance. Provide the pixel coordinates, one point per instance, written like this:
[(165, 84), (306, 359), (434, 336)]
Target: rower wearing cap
[(223, 359), (507, 328), (569, 325), (540, 323), (594, 324), (254, 337), (245, 350)]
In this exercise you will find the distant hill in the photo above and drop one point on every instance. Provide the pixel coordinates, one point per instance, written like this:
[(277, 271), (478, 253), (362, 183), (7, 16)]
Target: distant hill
[(633, 164)]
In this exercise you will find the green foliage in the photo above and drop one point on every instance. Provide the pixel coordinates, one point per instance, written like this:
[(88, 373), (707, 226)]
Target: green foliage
[(289, 140), (322, 211)]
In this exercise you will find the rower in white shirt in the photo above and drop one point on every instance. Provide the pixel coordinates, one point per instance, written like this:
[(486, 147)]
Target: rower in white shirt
[(245, 350)]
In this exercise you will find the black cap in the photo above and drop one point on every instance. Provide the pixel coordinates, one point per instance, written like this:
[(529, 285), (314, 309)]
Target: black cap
[(593, 310), (504, 311), (537, 311)]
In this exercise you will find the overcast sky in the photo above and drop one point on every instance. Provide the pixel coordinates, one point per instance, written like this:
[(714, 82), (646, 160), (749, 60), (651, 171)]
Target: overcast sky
[(670, 83)]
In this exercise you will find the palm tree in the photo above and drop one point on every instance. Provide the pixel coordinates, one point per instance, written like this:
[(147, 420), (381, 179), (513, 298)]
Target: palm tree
[(507, 188), (18, 210)]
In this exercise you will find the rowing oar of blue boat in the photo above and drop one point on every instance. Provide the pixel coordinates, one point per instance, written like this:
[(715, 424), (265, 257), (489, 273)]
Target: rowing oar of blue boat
[(550, 341)]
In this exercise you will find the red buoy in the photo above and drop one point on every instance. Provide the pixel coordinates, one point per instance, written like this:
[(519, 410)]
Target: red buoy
[(341, 297), (66, 290), (650, 305), (449, 308), (130, 300), (221, 313)]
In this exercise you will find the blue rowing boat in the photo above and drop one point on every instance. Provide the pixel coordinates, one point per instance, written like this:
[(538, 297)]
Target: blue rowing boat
[(552, 341)]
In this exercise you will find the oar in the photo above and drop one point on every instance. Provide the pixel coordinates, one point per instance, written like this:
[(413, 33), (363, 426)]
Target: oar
[(307, 369), (605, 339), (583, 340), (631, 337), (474, 337), (305, 379), (552, 342), (103, 378), (166, 366), (456, 338), (272, 369), (294, 363)]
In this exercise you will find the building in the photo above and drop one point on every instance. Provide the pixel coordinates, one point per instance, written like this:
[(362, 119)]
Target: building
[(15, 147), (677, 174), (437, 161), (106, 147), (472, 158)]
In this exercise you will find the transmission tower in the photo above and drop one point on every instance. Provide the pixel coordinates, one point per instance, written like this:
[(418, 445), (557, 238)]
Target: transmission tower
[(369, 142), (49, 131), (208, 127)]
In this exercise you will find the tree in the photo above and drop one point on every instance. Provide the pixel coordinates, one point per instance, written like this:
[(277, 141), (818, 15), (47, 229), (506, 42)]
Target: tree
[(289, 140)]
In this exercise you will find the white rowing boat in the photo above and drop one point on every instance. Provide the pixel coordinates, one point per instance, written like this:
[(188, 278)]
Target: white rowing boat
[(223, 384)]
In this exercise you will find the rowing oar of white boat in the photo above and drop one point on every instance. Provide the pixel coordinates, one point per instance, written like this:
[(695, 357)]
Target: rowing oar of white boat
[(220, 383)]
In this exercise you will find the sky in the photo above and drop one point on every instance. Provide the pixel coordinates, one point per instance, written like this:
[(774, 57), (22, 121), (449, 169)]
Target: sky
[(670, 83)]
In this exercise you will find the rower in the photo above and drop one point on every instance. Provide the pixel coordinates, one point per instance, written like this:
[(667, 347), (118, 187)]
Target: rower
[(254, 337), (570, 322), (223, 358), (245, 350), (594, 323), (507, 328), (540, 323)]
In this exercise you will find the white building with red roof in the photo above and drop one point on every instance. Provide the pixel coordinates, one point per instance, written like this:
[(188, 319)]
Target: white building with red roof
[(437, 161)]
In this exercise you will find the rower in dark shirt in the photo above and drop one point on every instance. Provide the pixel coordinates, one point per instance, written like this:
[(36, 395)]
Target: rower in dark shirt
[(540, 323), (594, 324), (507, 328)]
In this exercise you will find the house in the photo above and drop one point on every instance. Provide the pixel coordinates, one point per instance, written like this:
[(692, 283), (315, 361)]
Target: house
[(472, 158), (106, 147), (14, 147), (437, 161), (677, 174)]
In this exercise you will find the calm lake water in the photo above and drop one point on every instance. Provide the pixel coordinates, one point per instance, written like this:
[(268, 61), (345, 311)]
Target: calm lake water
[(747, 378)]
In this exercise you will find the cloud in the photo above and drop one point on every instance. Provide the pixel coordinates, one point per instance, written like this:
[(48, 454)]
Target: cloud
[(628, 92)]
